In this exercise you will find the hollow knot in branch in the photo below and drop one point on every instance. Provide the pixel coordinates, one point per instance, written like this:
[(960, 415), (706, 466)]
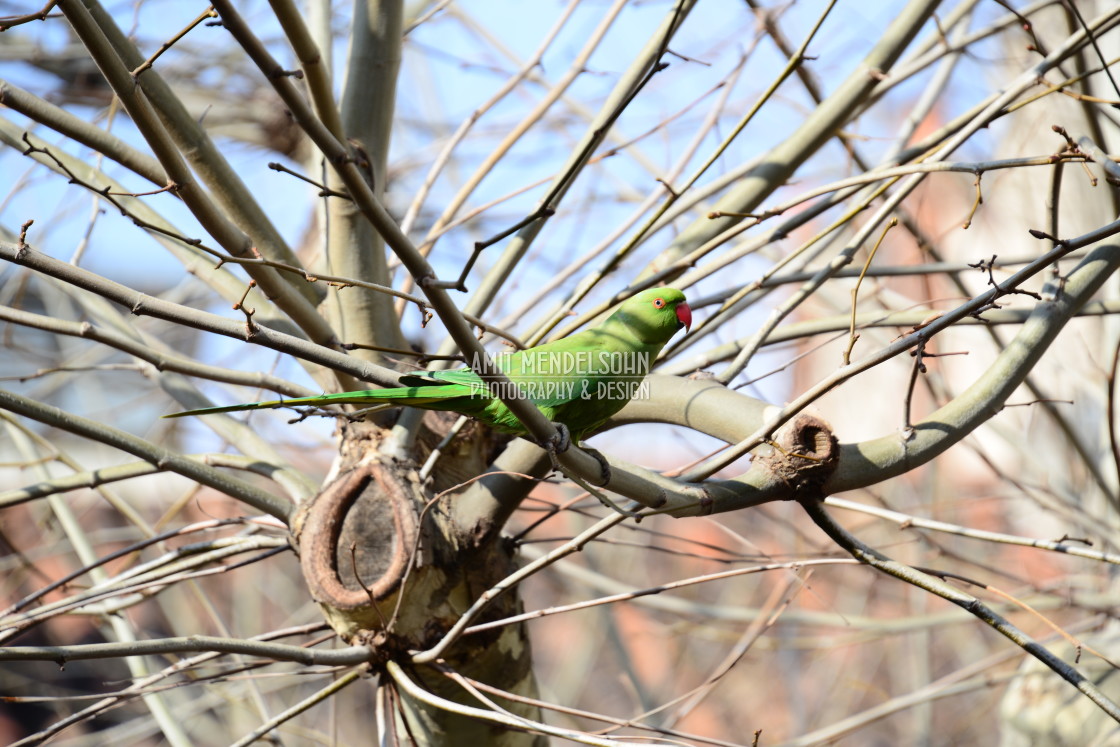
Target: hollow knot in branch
[(805, 454)]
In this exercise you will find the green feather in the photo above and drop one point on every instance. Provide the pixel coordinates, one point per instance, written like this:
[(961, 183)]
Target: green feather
[(580, 381)]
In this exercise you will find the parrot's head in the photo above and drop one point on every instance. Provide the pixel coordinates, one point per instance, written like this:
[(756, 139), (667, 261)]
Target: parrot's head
[(655, 314)]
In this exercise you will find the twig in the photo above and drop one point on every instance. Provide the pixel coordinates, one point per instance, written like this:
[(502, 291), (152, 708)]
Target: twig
[(1062, 545), (324, 191), (852, 336), (975, 203), (7, 22), (147, 64), (653, 590), (176, 645)]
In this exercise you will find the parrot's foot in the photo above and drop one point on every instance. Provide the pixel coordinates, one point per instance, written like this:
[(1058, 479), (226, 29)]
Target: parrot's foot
[(559, 443), (605, 473), (604, 465)]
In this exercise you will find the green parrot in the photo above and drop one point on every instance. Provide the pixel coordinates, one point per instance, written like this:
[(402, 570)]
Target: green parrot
[(578, 382)]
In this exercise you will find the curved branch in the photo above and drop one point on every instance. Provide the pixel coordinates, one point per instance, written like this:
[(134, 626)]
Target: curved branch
[(725, 414), (889, 456), (976, 305), (704, 405)]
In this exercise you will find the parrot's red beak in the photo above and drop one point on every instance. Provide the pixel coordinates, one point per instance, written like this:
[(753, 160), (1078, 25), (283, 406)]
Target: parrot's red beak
[(684, 314)]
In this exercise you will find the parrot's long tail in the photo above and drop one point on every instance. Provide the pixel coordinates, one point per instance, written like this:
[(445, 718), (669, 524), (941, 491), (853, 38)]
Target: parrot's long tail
[(418, 396)]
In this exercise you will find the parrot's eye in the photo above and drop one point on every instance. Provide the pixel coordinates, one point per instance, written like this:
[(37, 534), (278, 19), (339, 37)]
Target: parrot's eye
[(659, 303)]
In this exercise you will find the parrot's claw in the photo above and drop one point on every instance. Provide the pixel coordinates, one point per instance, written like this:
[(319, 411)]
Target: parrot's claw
[(562, 441), (604, 465), (559, 443)]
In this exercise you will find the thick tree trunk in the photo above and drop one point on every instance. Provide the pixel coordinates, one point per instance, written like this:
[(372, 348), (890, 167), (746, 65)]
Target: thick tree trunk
[(388, 567)]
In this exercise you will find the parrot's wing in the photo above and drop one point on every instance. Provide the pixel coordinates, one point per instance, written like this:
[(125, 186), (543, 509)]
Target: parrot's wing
[(545, 391), (550, 375)]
